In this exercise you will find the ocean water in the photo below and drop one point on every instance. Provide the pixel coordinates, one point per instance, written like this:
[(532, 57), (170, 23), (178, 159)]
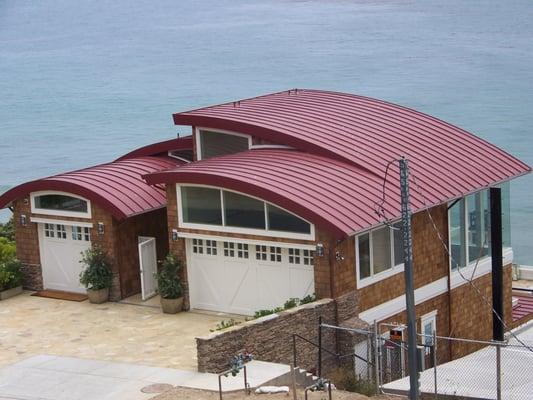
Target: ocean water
[(84, 82)]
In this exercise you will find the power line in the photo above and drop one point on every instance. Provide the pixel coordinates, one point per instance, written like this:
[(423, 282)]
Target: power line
[(446, 248)]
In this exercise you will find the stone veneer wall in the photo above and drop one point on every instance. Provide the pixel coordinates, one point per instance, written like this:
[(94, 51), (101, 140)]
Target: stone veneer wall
[(270, 338)]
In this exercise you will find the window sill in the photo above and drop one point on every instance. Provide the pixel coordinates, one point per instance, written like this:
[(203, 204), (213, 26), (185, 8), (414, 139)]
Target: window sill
[(361, 283), (484, 266)]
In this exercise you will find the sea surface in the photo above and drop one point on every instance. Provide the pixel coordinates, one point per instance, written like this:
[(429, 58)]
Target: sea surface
[(82, 82)]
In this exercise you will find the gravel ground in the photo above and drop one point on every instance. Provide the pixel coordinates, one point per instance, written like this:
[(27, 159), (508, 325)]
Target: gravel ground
[(194, 394)]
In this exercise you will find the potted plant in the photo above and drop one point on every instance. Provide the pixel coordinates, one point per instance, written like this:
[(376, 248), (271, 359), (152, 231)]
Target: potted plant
[(169, 285), (10, 278), (96, 275)]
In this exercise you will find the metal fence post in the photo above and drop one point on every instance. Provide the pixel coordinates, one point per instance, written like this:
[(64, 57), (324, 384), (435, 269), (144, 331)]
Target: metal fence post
[(498, 372), (320, 347), (435, 363), (376, 357)]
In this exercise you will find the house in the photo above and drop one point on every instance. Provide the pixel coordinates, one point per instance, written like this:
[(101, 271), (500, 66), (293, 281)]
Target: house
[(288, 195), (296, 193), (58, 217)]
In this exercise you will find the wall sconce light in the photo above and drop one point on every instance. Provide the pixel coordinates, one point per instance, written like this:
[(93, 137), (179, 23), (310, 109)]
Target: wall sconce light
[(339, 256), (319, 250), (101, 228), (23, 219), (174, 234), (26, 201)]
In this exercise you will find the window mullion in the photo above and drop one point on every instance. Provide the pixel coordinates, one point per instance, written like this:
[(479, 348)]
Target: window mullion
[(222, 209), (466, 230), (265, 209), (371, 247)]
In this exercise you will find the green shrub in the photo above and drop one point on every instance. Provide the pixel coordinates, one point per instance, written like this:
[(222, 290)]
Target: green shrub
[(7, 250), (168, 278), (345, 379), (291, 303), (308, 299), (97, 272), (7, 231), (10, 274), (224, 324)]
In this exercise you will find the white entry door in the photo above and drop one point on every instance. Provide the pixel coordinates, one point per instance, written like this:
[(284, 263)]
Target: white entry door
[(242, 278), (148, 266), (60, 247)]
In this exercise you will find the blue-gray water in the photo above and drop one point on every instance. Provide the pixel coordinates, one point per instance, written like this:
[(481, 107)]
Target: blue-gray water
[(82, 82)]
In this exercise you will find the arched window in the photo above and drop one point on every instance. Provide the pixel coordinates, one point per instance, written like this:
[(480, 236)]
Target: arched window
[(235, 212), (60, 204)]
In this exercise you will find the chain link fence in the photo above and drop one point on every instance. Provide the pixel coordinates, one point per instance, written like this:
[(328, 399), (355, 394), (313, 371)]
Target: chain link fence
[(449, 368)]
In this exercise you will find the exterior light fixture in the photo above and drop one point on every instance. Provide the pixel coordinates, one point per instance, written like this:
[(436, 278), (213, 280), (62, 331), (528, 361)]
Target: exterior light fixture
[(101, 228), (319, 250), (23, 219), (174, 234), (339, 256)]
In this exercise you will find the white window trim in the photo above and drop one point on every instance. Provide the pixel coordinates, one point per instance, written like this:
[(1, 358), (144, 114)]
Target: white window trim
[(199, 144), (61, 222), (484, 266), (231, 229), (429, 316), (397, 305), (169, 153), (249, 242), (374, 278), (60, 213)]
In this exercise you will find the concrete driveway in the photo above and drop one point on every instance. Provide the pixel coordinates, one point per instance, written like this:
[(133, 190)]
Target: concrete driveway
[(117, 332)]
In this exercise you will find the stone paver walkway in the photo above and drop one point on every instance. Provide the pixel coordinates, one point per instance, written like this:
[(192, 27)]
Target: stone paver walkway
[(112, 331)]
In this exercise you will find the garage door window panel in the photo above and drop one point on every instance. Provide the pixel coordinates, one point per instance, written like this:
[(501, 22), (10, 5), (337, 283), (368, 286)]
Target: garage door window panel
[(80, 233), (229, 249), (242, 250)]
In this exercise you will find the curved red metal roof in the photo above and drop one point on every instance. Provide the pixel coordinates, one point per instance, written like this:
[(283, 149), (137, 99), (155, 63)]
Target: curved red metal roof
[(447, 161), (182, 143), (337, 196), (118, 187)]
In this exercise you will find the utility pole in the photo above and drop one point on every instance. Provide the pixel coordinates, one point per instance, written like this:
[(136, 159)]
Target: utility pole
[(409, 285)]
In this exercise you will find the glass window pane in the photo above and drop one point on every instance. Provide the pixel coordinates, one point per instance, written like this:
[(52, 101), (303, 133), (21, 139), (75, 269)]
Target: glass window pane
[(398, 243), (214, 144), (364, 256), (243, 211), (457, 234), (381, 251), (478, 225), (506, 214), (201, 205), (280, 220), (60, 202)]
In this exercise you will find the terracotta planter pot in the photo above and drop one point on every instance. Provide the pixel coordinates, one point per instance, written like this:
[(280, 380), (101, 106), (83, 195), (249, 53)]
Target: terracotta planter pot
[(98, 296), (171, 306), (6, 294)]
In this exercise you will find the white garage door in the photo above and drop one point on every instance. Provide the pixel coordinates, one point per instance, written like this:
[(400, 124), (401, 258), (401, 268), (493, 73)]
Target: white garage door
[(242, 278), (60, 248)]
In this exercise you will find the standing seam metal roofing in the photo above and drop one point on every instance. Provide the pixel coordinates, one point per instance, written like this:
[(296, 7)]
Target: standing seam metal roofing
[(447, 161), (338, 196), (117, 186)]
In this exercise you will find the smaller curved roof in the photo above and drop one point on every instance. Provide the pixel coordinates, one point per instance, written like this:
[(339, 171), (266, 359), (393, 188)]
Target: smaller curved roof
[(118, 186), (337, 196), (160, 148)]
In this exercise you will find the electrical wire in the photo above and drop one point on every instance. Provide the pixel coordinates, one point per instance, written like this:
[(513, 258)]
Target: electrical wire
[(446, 248), (379, 208)]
